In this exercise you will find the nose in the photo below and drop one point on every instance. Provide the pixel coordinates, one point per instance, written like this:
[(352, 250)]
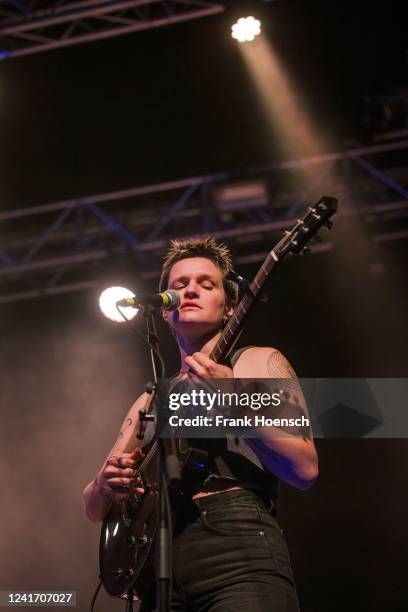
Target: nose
[(191, 290)]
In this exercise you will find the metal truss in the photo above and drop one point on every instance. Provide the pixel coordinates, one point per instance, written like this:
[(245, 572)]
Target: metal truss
[(65, 246), (32, 26)]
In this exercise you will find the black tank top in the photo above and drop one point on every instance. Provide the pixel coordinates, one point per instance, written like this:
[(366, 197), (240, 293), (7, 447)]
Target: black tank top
[(234, 458)]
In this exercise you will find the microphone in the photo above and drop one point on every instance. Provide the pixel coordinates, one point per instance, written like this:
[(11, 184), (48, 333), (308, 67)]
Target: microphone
[(167, 300)]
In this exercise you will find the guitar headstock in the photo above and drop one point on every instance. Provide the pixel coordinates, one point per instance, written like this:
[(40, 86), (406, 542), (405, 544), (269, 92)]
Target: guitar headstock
[(294, 241), (317, 216)]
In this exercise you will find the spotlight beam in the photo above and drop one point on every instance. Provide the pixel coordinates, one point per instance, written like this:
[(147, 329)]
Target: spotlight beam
[(285, 111)]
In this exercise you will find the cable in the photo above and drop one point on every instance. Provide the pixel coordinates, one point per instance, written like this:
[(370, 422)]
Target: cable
[(133, 328), (95, 595)]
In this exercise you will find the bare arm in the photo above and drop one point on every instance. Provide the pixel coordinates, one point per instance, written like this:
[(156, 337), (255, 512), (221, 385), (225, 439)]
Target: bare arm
[(292, 458), (118, 473)]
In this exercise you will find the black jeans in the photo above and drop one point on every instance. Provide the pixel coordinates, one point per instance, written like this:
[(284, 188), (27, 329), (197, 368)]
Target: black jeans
[(230, 555)]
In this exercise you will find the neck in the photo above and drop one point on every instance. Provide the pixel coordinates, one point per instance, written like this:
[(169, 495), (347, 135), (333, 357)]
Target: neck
[(203, 344)]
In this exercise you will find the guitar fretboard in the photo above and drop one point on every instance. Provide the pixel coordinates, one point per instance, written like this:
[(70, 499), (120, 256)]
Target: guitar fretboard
[(234, 326)]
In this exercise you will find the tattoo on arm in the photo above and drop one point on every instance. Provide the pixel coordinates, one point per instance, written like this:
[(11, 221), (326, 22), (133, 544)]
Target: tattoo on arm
[(279, 367), (128, 423)]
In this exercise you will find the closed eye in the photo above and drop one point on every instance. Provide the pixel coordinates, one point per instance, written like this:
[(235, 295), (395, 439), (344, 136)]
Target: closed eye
[(178, 284)]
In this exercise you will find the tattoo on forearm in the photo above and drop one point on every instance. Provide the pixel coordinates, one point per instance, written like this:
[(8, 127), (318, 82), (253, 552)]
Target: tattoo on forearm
[(128, 423)]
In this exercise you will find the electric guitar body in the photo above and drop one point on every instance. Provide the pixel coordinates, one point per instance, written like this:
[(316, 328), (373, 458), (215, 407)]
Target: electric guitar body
[(127, 536)]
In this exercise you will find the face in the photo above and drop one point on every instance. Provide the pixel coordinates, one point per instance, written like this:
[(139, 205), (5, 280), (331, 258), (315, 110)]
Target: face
[(203, 301)]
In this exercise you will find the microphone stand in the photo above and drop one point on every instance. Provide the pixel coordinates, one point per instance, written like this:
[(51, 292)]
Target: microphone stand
[(168, 466)]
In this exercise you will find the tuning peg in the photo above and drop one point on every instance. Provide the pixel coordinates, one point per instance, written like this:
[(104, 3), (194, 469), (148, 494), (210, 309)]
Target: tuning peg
[(303, 227), (329, 225), (317, 238), (313, 212), (306, 250)]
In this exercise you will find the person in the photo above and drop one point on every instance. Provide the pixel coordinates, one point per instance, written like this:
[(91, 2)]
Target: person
[(229, 551)]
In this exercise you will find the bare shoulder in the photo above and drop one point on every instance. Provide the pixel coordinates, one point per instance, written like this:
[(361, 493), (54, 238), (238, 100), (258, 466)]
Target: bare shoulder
[(267, 362), (263, 362)]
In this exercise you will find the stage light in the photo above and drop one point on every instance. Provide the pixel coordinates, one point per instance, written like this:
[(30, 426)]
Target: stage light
[(246, 28), (107, 303)]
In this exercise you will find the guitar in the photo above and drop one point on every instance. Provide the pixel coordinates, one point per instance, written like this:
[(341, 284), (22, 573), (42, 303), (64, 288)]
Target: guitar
[(125, 551)]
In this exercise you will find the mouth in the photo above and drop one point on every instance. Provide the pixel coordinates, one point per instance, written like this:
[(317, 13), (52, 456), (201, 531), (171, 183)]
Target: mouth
[(191, 305)]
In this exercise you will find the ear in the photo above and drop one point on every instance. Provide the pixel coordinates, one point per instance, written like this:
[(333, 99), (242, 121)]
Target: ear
[(228, 313)]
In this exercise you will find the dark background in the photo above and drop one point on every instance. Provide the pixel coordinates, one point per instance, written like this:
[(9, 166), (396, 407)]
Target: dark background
[(178, 101), (166, 104)]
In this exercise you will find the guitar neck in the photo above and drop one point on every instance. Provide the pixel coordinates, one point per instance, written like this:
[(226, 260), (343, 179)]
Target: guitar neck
[(234, 326)]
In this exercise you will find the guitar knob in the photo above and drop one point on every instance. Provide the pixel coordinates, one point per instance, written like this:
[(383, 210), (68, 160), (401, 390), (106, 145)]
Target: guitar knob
[(306, 250), (131, 541), (118, 573), (143, 540), (128, 573), (329, 225)]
